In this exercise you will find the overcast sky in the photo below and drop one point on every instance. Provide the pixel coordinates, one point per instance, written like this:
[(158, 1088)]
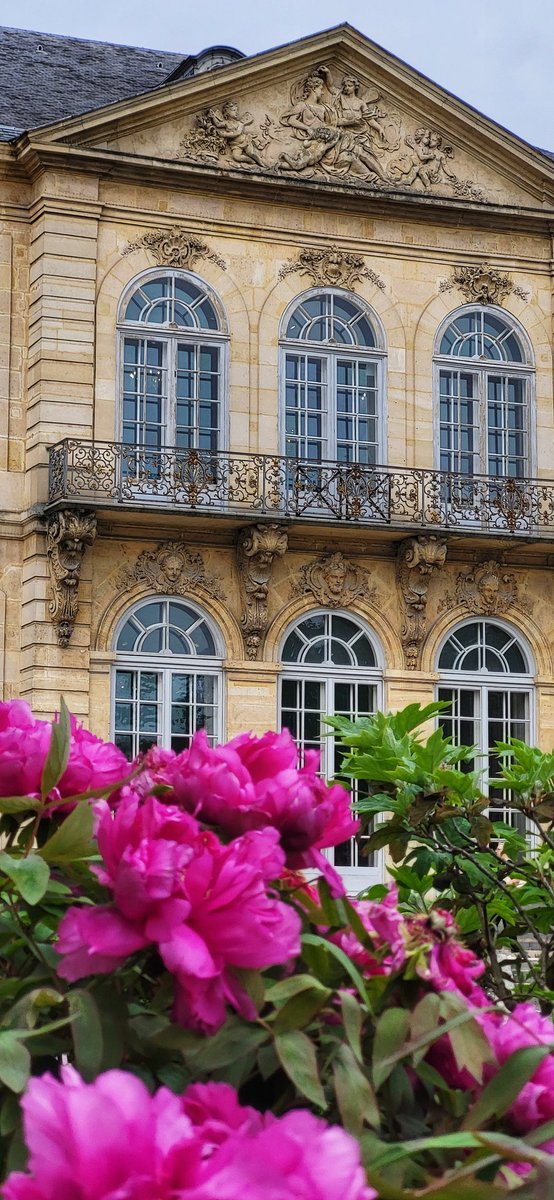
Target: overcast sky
[(497, 55)]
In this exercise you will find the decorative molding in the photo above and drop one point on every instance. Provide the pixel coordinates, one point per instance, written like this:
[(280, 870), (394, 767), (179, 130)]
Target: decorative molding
[(418, 559), (332, 129), (333, 267), (68, 534), (334, 581), (175, 248), (171, 568), (258, 546), (482, 284), (487, 589)]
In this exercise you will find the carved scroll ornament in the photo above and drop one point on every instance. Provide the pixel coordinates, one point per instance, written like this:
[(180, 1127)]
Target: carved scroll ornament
[(487, 589), (418, 558), (333, 581), (171, 568), (68, 534), (175, 248), (258, 546), (331, 129), (482, 284), (332, 267)]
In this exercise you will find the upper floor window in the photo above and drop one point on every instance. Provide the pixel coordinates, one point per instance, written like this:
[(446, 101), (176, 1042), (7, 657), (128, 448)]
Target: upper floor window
[(483, 380), (173, 364), (167, 678), (332, 376), (330, 666)]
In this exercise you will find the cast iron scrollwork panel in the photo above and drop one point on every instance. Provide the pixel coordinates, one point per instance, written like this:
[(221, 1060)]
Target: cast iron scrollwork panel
[(270, 484)]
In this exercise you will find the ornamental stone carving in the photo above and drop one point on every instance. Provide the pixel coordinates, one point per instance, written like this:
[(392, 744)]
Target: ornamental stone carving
[(482, 284), (487, 589), (171, 568), (331, 129), (68, 534), (334, 581), (258, 546), (417, 560), (175, 248), (332, 267)]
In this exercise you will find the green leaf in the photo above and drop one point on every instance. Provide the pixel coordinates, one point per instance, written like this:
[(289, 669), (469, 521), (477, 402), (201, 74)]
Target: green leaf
[(503, 1088), (313, 939), (58, 753), (282, 991), (300, 1009), (15, 1062), (73, 839), (352, 1019), (355, 1096), (298, 1059), (87, 1033), (29, 875), (391, 1034), (253, 983), (18, 804)]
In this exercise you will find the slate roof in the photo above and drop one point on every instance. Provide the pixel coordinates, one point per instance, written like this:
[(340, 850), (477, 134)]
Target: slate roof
[(68, 76)]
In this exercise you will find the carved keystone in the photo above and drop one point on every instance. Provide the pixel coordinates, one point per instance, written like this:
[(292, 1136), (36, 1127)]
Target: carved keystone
[(418, 558), (69, 532), (257, 547), (333, 581)]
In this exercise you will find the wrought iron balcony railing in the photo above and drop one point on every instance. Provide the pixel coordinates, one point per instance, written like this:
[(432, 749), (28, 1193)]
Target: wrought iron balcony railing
[(110, 473)]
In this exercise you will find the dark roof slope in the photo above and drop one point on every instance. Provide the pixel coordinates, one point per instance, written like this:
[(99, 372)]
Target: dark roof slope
[(46, 77)]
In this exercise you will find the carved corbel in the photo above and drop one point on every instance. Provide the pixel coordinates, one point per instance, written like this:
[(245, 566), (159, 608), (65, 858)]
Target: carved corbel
[(68, 534), (258, 546), (418, 558)]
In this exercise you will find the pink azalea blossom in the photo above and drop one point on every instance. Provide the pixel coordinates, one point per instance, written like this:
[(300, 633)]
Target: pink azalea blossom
[(251, 783), (112, 1140), (92, 764), (444, 962), (205, 906)]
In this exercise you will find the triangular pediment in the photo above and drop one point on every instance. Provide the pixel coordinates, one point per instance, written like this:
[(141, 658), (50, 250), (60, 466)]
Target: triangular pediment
[(334, 109)]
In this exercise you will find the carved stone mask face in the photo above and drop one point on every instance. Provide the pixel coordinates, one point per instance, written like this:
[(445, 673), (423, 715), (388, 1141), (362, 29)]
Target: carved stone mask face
[(172, 567)]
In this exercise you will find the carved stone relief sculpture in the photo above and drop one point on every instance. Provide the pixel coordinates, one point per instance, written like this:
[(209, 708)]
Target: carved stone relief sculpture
[(482, 284), (330, 129), (68, 534), (417, 560), (175, 248), (487, 589), (332, 267), (333, 581), (171, 568), (258, 546)]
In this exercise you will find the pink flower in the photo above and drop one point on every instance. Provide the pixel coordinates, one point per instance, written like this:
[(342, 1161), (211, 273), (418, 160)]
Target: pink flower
[(386, 929), (104, 1140), (205, 906), (251, 783), (445, 963), (111, 1140), (24, 745), (526, 1027)]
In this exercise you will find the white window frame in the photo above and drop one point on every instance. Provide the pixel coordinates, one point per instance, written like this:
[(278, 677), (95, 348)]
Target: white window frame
[(481, 368), (168, 665), (356, 879), (329, 353), (170, 335), (484, 682)]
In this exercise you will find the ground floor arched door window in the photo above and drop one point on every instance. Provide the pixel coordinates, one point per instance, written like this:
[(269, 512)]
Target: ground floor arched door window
[(330, 665), (167, 677)]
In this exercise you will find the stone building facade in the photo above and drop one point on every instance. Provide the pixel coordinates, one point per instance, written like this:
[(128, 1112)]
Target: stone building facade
[(276, 396)]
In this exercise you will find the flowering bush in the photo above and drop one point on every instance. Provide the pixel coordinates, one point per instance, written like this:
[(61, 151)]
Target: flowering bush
[(234, 1030)]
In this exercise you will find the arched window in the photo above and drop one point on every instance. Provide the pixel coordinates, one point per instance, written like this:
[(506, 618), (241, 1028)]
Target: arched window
[(330, 666), (332, 372), (483, 379), (486, 678), (167, 679), (173, 369)]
